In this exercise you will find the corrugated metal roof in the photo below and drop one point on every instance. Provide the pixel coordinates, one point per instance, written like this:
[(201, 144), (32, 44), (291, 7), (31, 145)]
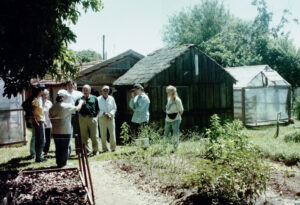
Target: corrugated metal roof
[(245, 74)]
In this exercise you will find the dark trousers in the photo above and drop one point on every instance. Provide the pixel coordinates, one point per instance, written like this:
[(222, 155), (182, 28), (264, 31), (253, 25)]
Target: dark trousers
[(48, 139), (39, 140), (62, 151), (75, 131)]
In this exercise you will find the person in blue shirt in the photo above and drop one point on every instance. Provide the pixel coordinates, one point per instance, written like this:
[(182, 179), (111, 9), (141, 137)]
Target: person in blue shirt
[(139, 103)]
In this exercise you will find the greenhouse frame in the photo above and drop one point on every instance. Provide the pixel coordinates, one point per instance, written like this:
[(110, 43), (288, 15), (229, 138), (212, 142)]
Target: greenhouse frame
[(261, 96), (12, 122)]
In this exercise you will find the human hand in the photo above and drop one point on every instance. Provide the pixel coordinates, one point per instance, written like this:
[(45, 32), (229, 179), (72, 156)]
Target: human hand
[(132, 95), (45, 124)]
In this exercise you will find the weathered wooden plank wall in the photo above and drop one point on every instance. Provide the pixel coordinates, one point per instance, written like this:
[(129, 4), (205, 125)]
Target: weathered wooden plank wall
[(209, 92)]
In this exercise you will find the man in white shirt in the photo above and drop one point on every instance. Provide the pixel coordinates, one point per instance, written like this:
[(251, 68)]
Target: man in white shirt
[(108, 110), (73, 93), (73, 96)]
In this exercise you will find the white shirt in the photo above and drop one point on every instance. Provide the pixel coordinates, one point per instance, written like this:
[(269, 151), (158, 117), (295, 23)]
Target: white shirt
[(46, 107), (107, 105), (174, 108), (61, 114), (74, 95)]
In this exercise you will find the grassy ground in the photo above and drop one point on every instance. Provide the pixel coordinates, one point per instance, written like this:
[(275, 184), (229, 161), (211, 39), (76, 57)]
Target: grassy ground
[(16, 158), (275, 148)]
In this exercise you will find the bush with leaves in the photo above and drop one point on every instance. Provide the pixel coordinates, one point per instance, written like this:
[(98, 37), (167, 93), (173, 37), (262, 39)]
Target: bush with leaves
[(124, 135), (231, 170), (153, 131), (293, 136)]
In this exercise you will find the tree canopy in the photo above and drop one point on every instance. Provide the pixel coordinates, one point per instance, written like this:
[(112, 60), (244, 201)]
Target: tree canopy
[(34, 36), (235, 42), (88, 56)]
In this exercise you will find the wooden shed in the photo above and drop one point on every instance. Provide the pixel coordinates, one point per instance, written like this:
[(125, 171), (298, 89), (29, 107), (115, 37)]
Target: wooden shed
[(260, 95), (100, 73), (204, 86)]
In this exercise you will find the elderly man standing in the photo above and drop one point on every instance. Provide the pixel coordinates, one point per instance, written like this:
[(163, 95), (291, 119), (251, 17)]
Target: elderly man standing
[(108, 109), (88, 121), (139, 103)]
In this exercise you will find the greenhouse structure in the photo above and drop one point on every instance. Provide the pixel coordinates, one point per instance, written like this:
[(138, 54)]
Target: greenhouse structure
[(261, 95), (12, 123)]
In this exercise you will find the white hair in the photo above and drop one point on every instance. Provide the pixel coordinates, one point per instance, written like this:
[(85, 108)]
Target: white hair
[(46, 92), (88, 87)]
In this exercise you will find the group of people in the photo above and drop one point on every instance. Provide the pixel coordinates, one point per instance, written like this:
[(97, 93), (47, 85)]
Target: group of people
[(60, 120)]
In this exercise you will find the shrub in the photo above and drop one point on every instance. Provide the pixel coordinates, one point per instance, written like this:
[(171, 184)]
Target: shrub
[(153, 131), (124, 135), (297, 107), (231, 171), (293, 136), (229, 130)]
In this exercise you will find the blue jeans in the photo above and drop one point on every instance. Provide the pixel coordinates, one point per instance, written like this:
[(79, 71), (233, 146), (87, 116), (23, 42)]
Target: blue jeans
[(39, 134), (62, 151), (175, 128)]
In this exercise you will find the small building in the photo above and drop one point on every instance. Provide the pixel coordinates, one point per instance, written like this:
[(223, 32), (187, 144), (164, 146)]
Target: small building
[(204, 86), (261, 95), (12, 121), (100, 73)]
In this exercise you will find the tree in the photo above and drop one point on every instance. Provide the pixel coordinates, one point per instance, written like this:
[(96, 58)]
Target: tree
[(196, 25), (234, 42), (88, 56), (34, 36), (234, 46)]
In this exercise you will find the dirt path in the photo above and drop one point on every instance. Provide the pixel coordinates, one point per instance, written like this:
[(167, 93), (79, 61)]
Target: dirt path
[(113, 186)]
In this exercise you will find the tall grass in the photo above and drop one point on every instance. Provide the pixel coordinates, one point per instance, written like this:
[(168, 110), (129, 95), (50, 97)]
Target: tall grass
[(276, 148)]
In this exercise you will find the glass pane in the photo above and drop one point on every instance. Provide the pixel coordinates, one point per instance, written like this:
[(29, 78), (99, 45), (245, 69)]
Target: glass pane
[(11, 127)]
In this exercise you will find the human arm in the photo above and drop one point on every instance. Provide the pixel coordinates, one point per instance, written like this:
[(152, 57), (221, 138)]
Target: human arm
[(114, 107), (131, 103), (141, 103), (79, 106), (179, 106)]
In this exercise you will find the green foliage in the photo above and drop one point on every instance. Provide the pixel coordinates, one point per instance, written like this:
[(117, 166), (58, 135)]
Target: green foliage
[(229, 130), (296, 107), (34, 36), (293, 136), (231, 171), (234, 42), (124, 135), (198, 24), (88, 56), (153, 131)]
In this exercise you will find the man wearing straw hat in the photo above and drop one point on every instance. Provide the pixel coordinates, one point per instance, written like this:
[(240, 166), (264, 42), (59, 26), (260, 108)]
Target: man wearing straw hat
[(108, 110)]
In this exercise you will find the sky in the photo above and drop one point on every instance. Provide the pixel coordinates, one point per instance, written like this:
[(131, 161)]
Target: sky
[(138, 24)]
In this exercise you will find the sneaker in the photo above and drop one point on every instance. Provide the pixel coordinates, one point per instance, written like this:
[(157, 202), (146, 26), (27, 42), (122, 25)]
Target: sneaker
[(41, 160)]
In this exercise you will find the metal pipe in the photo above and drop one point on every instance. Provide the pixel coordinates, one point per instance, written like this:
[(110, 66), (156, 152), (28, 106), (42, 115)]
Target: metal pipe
[(89, 174)]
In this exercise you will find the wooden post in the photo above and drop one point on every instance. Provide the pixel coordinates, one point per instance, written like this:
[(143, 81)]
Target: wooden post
[(243, 107)]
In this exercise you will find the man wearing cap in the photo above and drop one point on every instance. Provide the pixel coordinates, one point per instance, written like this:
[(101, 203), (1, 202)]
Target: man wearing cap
[(108, 109), (88, 120), (139, 103)]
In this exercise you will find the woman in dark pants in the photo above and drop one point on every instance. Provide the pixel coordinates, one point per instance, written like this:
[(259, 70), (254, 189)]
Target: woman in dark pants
[(60, 115), (47, 104)]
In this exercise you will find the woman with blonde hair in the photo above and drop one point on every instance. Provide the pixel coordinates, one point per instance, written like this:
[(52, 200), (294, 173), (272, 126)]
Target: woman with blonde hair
[(174, 110)]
